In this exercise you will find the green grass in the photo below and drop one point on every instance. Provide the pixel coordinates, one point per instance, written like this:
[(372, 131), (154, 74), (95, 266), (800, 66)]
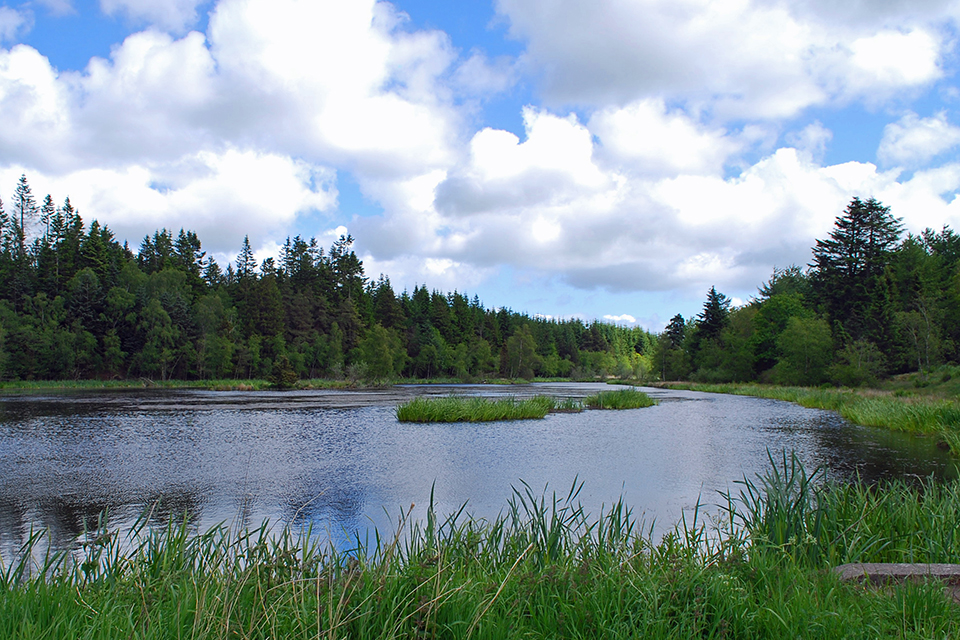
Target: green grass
[(473, 409), (621, 399), (543, 568)]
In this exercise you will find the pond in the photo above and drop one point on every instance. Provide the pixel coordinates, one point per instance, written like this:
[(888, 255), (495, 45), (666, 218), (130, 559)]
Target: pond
[(341, 462)]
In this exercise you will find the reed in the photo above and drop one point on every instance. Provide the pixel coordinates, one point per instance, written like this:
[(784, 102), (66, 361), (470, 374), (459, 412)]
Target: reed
[(473, 409), (621, 399)]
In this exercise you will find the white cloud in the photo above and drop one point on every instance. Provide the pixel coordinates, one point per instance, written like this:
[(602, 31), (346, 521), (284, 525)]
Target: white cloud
[(670, 178), (739, 59), (893, 59), (305, 84), (553, 166), (12, 23), (222, 196), (479, 76), (174, 15), (812, 140), (35, 109), (655, 141), (621, 319), (913, 141)]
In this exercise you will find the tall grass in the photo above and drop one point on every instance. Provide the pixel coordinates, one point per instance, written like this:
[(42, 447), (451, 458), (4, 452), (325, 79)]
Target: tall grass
[(543, 568), (473, 409), (621, 399)]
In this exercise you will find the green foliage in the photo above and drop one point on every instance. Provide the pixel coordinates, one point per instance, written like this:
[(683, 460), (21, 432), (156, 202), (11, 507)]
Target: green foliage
[(521, 358), (807, 348), (283, 375)]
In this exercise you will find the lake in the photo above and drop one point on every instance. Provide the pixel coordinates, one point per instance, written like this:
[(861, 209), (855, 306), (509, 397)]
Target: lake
[(340, 461)]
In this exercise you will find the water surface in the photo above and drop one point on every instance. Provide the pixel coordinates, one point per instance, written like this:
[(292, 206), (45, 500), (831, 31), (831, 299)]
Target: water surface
[(339, 460)]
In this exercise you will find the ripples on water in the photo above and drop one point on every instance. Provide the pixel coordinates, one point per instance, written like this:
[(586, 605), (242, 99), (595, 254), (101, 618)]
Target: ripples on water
[(340, 461)]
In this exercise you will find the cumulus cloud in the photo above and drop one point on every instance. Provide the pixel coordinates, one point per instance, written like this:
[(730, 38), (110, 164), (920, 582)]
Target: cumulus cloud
[(35, 108), (552, 166), (913, 141), (655, 141), (222, 196), (669, 177), (174, 15), (300, 87), (741, 59)]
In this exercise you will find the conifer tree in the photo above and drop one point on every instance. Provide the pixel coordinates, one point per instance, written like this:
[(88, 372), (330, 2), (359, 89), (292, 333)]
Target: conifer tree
[(848, 268), (24, 207)]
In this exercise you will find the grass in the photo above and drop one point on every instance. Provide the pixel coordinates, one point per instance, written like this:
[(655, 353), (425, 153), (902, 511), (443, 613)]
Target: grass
[(621, 399), (473, 409), (543, 568), (871, 408)]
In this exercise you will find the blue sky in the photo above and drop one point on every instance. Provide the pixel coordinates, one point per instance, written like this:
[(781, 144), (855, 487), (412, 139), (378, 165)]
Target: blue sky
[(604, 159)]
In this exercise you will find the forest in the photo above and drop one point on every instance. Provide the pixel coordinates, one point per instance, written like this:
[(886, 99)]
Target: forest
[(77, 304), (873, 303)]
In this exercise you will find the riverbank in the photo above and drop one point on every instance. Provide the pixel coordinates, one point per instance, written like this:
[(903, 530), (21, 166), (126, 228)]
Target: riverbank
[(545, 569), (15, 386), (919, 414)]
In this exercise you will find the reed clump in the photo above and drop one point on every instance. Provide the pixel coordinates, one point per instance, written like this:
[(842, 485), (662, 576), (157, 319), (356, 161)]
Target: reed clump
[(621, 399), (473, 409), (543, 568)]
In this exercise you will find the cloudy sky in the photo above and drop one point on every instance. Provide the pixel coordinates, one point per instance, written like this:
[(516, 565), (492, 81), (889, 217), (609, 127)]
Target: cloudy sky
[(594, 158)]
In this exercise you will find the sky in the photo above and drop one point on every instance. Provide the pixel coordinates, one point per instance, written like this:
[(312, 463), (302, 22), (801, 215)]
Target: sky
[(600, 159)]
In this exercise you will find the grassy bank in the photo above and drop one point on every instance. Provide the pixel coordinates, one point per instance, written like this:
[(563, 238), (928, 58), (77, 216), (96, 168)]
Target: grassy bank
[(543, 569), (621, 399), (871, 408), (15, 386)]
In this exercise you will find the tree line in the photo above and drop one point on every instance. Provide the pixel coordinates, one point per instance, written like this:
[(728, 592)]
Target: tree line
[(872, 303), (75, 303)]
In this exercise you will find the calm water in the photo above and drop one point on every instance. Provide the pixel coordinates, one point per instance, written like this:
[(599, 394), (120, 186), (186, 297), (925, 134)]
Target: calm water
[(341, 461)]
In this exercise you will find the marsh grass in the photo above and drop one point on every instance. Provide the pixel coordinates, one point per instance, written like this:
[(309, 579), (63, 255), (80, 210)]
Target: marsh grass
[(543, 568), (620, 399), (473, 409)]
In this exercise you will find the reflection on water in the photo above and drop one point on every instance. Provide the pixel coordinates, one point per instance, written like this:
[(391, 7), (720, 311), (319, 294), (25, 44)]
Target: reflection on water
[(341, 463)]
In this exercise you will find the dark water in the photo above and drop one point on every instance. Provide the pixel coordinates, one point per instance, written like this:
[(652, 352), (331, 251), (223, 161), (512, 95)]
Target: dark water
[(339, 460)]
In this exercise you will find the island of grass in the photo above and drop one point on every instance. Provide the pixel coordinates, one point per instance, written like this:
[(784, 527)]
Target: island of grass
[(473, 409), (483, 409), (622, 399)]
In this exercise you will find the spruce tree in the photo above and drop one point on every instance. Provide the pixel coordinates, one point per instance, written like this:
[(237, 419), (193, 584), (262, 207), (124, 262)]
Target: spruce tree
[(848, 269)]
